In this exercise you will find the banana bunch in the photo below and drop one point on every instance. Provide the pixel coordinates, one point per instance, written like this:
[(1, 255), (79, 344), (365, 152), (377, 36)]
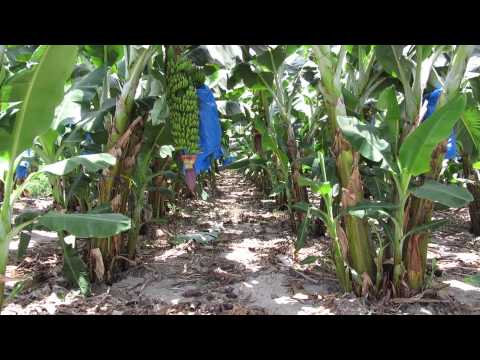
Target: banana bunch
[(198, 77), (182, 78)]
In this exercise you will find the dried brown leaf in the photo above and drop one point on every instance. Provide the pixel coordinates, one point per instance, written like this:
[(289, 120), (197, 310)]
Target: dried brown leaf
[(367, 284), (342, 237), (97, 260)]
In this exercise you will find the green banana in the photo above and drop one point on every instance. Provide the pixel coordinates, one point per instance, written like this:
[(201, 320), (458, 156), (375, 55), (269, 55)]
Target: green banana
[(182, 80)]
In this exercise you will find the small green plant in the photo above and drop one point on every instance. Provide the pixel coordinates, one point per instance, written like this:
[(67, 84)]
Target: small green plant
[(324, 188), (431, 275), (39, 187)]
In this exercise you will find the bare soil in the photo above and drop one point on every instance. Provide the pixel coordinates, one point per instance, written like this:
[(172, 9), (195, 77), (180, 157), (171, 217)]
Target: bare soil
[(248, 269)]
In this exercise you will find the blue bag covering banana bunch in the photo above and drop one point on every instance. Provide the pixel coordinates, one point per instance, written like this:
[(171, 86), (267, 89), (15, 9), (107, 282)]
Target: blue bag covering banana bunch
[(432, 102)]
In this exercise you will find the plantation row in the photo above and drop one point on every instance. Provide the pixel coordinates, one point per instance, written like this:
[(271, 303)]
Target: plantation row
[(364, 139)]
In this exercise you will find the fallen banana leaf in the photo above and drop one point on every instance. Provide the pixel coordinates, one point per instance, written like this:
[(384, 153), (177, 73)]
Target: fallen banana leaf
[(201, 237)]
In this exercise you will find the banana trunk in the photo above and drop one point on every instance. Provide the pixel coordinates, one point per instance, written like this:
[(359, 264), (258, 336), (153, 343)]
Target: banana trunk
[(360, 253)]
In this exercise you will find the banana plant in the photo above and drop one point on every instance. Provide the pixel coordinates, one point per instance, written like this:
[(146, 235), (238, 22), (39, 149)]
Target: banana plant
[(35, 93), (412, 68), (421, 209), (120, 130), (331, 67), (39, 90), (412, 159)]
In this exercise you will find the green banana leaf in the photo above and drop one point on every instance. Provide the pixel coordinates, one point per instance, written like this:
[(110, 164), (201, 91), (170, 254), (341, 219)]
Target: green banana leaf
[(449, 195), (371, 209), (364, 139), (75, 269), (429, 226), (322, 188), (416, 150), (388, 101), (469, 132), (86, 225), (40, 89), (92, 163)]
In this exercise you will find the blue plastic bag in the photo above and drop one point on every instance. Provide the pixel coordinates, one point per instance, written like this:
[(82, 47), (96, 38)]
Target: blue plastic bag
[(210, 130), (89, 141), (21, 172), (432, 99)]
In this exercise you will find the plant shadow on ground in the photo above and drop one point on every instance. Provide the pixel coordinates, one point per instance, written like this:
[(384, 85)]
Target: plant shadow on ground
[(247, 270)]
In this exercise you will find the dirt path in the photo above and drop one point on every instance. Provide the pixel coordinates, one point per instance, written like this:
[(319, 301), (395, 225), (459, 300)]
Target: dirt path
[(244, 267)]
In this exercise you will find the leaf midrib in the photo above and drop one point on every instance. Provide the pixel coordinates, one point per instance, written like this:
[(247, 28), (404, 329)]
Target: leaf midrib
[(103, 217)]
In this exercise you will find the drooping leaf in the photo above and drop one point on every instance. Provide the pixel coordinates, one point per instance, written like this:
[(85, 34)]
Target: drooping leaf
[(92, 163), (364, 139), (75, 269), (416, 150), (86, 225), (426, 227), (371, 209), (449, 195)]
